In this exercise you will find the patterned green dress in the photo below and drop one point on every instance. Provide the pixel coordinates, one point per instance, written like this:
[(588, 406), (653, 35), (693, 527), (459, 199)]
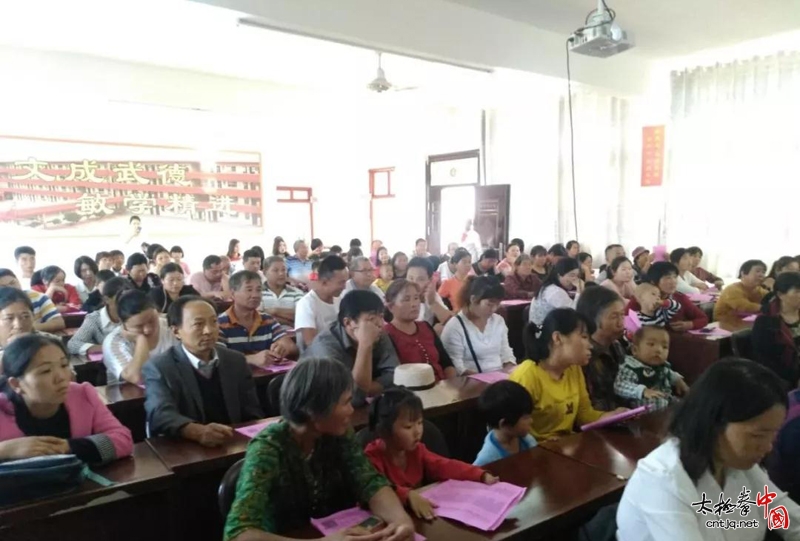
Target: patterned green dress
[(279, 490)]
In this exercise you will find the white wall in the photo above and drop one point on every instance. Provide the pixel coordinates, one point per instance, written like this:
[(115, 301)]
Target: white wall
[(327, 142)]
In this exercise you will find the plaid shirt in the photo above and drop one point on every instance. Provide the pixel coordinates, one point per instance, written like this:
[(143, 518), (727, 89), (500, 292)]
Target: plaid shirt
[(634, 377)]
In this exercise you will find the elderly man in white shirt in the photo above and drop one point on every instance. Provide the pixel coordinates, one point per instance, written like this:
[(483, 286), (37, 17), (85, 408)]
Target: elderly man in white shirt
[(362, 276)]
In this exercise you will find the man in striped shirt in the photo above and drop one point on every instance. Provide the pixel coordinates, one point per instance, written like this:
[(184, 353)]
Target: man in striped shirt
[(243, 328), (278, 298), (46, 317)]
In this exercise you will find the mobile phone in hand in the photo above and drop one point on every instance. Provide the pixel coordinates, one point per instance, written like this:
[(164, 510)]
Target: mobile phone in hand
[(370, 525)]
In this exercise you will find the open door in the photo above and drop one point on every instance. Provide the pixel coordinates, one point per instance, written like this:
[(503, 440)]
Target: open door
[(491, 215)]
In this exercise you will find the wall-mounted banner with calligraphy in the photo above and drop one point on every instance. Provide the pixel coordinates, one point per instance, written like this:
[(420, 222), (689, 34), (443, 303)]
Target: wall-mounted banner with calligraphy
[(83, 188)]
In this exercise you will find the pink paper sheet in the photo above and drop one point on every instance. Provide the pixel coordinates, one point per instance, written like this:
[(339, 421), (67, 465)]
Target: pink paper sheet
[(715, 332), (95, 357), (253, 430), (278, 368), (515, 302), (613, 419), (475, 504), (751, 318), (490, 377), (700, 298), (345, 519)]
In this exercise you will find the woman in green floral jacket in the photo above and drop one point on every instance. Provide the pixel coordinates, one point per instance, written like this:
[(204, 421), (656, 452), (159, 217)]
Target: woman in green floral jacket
[(309, 465)]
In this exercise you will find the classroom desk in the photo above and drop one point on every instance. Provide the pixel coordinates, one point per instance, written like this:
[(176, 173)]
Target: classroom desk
[(130, 509), (561, 495), (612, 450), (73, 320)]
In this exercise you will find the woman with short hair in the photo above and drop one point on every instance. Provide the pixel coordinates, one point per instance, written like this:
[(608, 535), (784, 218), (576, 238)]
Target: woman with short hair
[(745, 296), (309, 464), (415, 341), (719, 434), (86, 271), (522, 283), (97, 325), (685, 315), (51, 281), (173, 286), (776, 336)]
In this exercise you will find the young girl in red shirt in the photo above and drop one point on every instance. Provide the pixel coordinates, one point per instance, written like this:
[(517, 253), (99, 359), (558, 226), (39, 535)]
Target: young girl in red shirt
[(399, 454)]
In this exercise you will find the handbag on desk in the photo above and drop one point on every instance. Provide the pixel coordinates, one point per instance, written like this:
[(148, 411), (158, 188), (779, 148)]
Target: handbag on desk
[(43, 476)]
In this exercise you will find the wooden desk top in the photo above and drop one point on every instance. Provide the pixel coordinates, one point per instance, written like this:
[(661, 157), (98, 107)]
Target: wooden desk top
[(186, 458), (560, 492), (142, 473)]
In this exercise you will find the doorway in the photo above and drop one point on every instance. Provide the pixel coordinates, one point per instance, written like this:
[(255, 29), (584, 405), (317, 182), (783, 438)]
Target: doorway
[(455, 195)]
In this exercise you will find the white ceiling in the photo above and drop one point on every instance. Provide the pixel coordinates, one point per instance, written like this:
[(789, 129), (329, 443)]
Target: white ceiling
[(661, 28), (197, 37)]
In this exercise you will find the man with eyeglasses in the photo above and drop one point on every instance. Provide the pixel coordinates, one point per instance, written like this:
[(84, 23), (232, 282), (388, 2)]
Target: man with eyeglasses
[(362, 276)]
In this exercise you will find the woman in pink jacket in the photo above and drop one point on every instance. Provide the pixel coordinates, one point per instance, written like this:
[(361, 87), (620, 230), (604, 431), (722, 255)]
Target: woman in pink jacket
[(42, 412)]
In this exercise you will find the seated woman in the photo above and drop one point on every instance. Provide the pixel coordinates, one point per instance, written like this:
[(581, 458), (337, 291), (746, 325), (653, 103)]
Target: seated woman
[(783, 464), (477, 338), (607, 310), (381, 256), (696, 255), (415, 341), (172, 287), (399, 265), (161, 257), (641, 263), (717, 442), (507, 264), (557, 290), (97, 325), (744, 297), (784, 264), (776, 336), (522, 283), (51, 281), (555, 253), (86, 271), (688, 283), (620, 278), (684, 315), (539, 255), (16, 317), (585, 260), (138, 274), (553, 376), (43, 413), (94, 301), (309, 464), (450, 288), (141, 336)]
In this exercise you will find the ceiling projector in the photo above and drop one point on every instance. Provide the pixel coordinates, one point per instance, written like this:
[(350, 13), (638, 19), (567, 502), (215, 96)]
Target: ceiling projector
[(600, 36)]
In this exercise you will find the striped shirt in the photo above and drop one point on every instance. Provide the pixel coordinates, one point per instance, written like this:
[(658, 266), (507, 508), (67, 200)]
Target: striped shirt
[(43, 308), (287, 299), (264, 332)]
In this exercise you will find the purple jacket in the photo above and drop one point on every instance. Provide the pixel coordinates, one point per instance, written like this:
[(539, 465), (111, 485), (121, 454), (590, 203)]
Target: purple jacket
[(88, 418)]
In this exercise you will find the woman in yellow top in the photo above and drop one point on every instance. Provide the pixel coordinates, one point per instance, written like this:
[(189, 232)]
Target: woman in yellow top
[(744, 297), (555, 381)]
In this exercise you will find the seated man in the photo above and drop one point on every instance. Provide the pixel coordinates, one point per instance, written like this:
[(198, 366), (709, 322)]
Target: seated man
[(318, 310), (251, 261), (211, 282), (196, 388), (432, 308), (299, 265), (117, 262), (16, 317), (46, 317), (362, 276), (244, 329), (26, 263), (357, 340), (612, 252), (279, 299)]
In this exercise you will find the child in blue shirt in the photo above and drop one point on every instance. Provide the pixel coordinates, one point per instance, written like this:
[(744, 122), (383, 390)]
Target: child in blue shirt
[(506, 406)]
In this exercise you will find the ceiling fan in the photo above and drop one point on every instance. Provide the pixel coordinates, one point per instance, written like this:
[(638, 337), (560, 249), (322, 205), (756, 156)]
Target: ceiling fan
[(381, 84)]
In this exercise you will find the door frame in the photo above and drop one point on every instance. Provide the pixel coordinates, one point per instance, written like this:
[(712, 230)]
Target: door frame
[(476, 153)]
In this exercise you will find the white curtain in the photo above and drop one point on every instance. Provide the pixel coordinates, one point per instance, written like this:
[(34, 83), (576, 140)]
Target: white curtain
[(528, 146), (733, 175)]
